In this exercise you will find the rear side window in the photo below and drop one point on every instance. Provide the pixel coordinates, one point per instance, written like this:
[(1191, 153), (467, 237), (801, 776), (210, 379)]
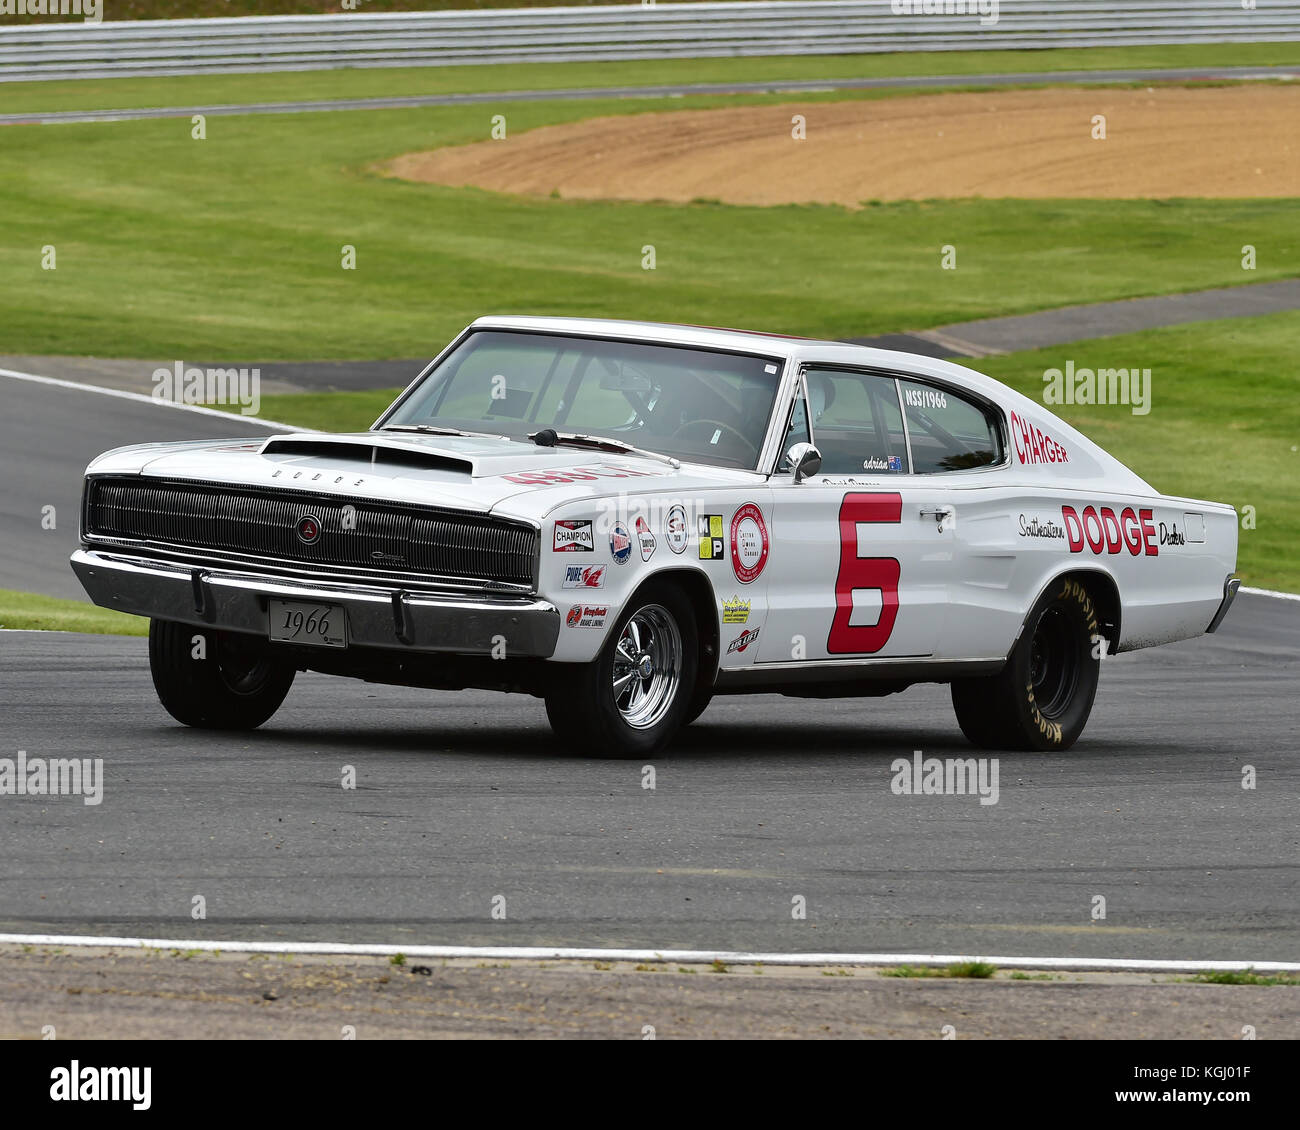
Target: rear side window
[(947, 431)]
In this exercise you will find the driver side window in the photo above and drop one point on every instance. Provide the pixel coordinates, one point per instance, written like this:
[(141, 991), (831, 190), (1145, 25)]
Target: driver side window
[(856, 422)]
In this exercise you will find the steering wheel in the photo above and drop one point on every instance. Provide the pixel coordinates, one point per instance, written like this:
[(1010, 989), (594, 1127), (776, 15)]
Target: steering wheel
[(718, 425)]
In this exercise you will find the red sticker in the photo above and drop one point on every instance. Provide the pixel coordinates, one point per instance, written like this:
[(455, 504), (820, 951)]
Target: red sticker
[(748, 543)]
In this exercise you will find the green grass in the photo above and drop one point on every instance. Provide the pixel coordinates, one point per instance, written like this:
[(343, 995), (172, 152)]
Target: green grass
[(230, 247), (133, 93), (325, 411), (975, 970), (1248, 977), (30, 610), (1224, 422)]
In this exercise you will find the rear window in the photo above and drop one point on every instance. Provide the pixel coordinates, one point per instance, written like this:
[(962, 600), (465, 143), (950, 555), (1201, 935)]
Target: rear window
[(947, 431)]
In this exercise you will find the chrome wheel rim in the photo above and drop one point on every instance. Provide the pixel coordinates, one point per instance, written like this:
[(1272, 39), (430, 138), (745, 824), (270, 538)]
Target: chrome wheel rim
[(647, 667)]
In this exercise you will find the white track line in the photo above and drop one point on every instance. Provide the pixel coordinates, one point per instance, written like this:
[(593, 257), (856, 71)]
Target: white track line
[(1270, 592), (728, 957), (122, 394)]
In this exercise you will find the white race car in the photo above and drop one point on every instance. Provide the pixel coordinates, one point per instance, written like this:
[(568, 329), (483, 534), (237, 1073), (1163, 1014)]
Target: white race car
[(626, 519)]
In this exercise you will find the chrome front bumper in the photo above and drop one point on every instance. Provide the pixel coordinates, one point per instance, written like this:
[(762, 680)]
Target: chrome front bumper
[(394, 618)]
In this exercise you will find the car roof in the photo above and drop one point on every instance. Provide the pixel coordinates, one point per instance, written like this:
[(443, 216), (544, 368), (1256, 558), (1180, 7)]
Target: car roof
[(800, 349)]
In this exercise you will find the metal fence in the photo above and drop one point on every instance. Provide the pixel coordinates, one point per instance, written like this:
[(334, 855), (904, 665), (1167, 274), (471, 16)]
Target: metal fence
[(34, 48)]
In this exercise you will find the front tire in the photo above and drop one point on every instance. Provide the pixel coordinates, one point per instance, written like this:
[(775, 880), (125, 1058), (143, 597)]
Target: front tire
[(634, 696), (1042, 698), (215, 680)]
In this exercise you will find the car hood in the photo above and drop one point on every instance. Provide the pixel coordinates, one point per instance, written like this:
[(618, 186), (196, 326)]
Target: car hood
[(511, 477)]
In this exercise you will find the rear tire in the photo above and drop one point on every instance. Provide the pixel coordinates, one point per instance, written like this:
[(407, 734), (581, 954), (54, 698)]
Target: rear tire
[(215, 680), (1042, 698), (633, 697)]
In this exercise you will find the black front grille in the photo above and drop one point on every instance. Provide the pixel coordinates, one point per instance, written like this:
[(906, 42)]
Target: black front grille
[(359, 534)]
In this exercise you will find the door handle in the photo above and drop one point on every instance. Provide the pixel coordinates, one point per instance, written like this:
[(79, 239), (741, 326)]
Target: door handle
[(942, 515)]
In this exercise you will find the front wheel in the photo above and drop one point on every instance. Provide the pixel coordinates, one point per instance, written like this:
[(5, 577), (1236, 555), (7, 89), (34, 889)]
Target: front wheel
[(215, 680), (1042, 698), (633, 697)]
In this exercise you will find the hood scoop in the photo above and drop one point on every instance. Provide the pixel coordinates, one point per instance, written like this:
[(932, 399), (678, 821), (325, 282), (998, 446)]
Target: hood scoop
[(380, 456)]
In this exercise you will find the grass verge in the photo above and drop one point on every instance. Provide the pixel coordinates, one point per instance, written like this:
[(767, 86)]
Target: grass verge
[(1246, 977), (975, 970), (233, 246), (30, 611)]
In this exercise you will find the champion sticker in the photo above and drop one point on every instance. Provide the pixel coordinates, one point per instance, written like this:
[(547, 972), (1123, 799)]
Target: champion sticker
[(748, 543), (573, 537)]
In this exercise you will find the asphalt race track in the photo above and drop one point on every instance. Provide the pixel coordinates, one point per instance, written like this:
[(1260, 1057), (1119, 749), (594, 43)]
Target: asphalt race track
[(48, 433), (462, 797)]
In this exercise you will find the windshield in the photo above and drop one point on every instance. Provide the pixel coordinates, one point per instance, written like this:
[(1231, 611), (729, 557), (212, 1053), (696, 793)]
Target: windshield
[(694, 404)]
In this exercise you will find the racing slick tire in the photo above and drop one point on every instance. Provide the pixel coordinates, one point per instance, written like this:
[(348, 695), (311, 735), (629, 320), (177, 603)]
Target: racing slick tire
[(230, 682), (634, 696), (1042, 698)]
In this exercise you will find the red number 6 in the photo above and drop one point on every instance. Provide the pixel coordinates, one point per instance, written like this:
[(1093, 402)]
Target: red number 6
[(864, 573)]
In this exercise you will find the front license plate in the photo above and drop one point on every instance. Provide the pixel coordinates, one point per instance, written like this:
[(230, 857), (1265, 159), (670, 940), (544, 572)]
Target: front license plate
[(320, 625)]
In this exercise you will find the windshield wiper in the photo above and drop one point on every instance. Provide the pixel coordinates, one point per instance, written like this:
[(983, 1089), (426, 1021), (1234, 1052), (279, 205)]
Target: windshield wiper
[(549, 437), (438, 430)]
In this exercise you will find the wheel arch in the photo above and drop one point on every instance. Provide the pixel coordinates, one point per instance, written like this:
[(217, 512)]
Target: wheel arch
[(698, 590), (1104, 592)]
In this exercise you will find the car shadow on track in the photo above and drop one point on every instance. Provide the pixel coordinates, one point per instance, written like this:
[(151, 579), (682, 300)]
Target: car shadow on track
[(703, 741)]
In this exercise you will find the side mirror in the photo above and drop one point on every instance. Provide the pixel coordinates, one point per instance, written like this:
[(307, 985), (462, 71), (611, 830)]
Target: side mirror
[(805, 460)]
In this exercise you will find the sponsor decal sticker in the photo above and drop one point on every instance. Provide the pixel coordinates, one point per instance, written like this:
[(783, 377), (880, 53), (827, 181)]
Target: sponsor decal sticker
[(573, 537), (584, 576), (620, 544), (1033, 445), (925, 398), (748, 543), (743, 640), (712, 547), (735, 611), (1101, 531), (676, 532), (587, 616), (645, 539), (1034, 528)]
